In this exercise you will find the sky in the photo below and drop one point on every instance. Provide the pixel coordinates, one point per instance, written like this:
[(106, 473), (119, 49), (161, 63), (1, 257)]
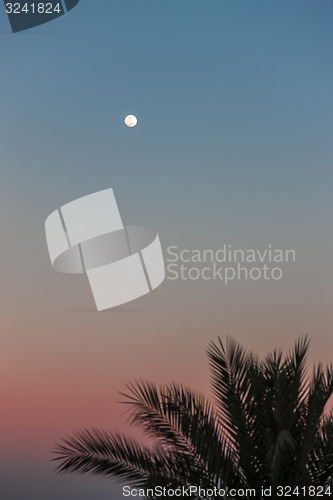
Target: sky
[(233, 146)]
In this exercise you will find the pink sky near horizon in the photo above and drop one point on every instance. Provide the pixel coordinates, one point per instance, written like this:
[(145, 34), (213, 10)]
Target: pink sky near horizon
[(64, 367)]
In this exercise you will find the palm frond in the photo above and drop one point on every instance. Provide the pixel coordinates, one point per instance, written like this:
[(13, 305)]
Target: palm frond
[(180, 419), (99, 452), (232, 391), (267, 427)]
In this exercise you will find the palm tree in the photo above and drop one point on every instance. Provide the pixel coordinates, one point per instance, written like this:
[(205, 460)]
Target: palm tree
[(266, 428)]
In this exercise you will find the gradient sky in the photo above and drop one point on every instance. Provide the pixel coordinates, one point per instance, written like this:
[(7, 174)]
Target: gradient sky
[(234, 145)]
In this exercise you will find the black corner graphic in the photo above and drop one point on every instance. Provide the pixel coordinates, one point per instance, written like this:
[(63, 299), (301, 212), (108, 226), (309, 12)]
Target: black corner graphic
[(25, 15), (70, 4)]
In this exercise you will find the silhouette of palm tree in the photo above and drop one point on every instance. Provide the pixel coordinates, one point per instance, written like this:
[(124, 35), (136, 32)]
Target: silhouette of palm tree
[(266, 428)]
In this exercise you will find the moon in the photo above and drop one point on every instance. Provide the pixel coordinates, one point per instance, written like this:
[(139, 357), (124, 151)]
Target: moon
[(131, 120)]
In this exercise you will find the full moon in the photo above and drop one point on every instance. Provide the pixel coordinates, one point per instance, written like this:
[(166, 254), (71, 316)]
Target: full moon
[(131, 120)]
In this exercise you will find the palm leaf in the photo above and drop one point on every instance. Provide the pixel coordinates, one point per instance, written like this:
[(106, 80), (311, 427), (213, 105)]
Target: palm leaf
[(267, 427)]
